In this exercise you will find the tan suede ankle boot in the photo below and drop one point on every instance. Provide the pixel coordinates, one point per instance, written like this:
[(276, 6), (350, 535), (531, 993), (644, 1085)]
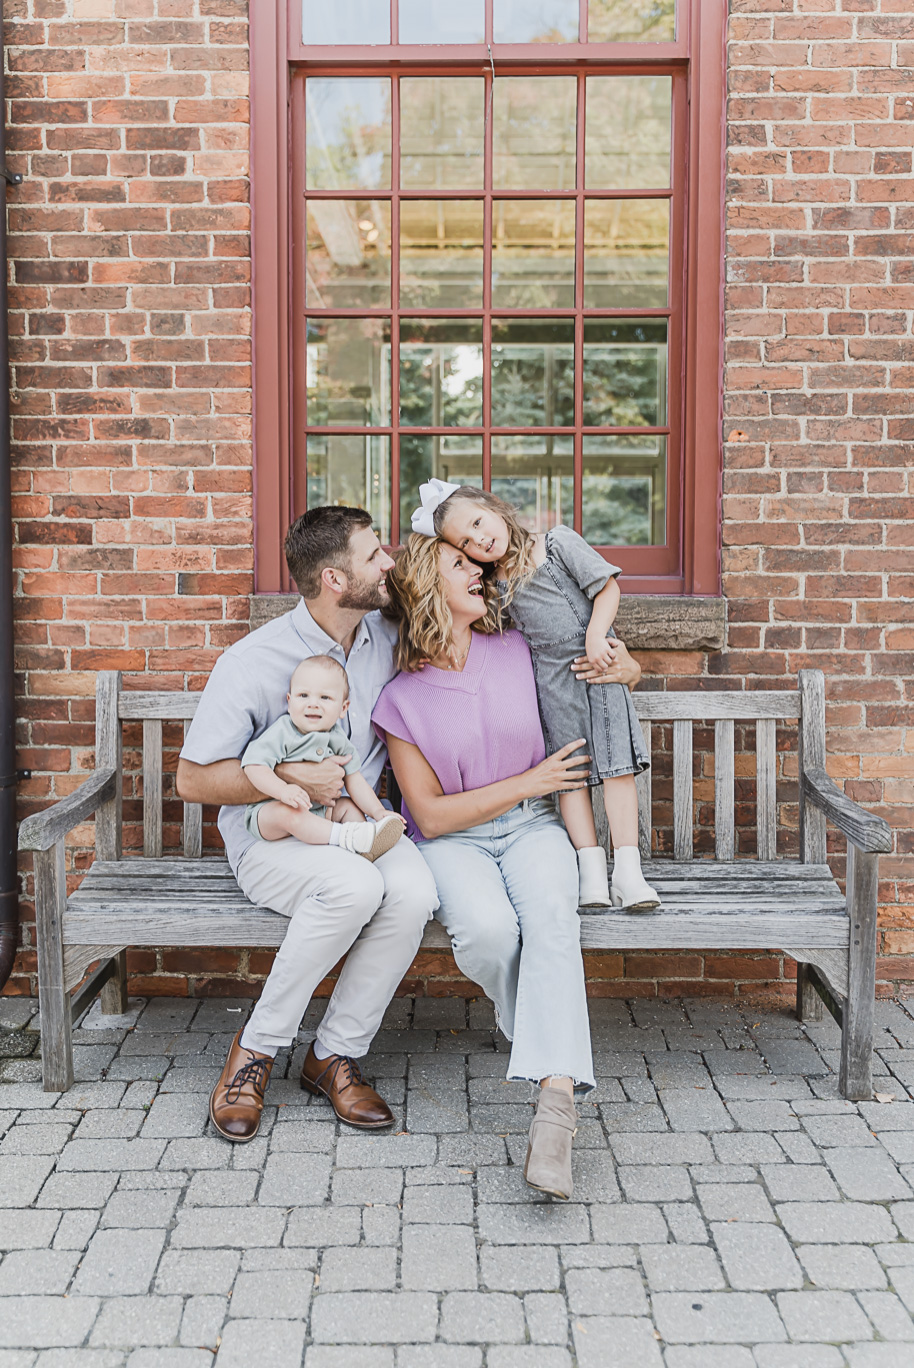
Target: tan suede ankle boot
[(548, 1164)]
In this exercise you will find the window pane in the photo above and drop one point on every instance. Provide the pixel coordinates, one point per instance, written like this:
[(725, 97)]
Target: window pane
[(441, 21), (353, 471), (533, 254), (346, 21), (626, 246), (348, 254), (456, 457), (537, 475), (441, 254), (624, 490), (627, 133), (348, 371), (536, 21), (533, 373), (534, 132), (441, 132), (624, 373), (631, 21), (441, 372), (348, 132)]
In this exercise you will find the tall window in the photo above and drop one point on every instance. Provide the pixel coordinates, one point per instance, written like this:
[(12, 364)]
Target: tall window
[(489, 213)]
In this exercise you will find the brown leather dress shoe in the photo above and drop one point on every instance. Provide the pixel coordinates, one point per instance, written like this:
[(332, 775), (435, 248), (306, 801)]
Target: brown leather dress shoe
[(340, 1080), (236, 1102)]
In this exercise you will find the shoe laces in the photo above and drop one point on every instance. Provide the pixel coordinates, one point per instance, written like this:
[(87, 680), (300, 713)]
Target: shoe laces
[(256, 1073), (352, 1074)]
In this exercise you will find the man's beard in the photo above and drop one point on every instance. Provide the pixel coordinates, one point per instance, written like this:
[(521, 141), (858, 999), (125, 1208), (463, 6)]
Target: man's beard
[(363, 596)]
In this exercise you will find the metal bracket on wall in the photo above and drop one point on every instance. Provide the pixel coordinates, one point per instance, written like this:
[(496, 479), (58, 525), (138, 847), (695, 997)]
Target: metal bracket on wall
[(12, 177)]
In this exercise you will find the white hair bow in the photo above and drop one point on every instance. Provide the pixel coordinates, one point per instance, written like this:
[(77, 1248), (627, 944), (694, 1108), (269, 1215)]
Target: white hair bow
[(431, 495)]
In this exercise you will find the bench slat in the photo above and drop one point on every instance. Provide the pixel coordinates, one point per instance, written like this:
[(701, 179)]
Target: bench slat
[(724, 834), (164, 705), (193, 826), (682, 789), (152, 787), (766, 809), (696, 706), (643, 786)]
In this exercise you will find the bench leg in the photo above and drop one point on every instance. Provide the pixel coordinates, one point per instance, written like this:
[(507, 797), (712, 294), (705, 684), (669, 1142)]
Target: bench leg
[(114, 993), (810, 1006), (54, 1001), (856, 1076)]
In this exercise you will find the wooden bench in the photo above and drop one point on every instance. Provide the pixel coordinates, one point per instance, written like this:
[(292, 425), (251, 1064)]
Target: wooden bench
[(721, 903)]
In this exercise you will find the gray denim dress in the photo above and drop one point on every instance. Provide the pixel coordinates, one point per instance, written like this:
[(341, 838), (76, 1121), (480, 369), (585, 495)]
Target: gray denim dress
[(552, 612)]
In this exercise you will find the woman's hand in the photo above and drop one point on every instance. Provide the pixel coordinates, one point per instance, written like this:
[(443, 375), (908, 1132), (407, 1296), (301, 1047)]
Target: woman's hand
[(624, 669), (561, 772)]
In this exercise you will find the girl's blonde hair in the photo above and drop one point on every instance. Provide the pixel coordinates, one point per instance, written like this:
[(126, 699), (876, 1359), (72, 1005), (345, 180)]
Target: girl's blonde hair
[(519, 557), (419, 607)]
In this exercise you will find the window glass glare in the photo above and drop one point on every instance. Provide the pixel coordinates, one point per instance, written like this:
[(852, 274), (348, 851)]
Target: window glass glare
[(455, 457), (624, 490), (532, 373), (348, 132), (346, 21), (627, 132), (442, 21), (533, 254), (352, 470), (441, 132), (624, 372), (441, 372), (631, 21), (348, 372), (441, 254), (626, 251), (536, 21), (347, 254), (533, 123), (536, 474)]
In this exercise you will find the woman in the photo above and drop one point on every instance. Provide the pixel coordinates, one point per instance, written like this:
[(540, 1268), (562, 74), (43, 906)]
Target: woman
[(463, 731)]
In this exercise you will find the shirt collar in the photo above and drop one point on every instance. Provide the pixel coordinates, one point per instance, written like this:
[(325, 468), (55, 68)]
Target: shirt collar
[(316, 639)]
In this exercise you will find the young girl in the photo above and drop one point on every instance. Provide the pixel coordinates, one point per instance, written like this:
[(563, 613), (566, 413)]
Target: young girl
[(563, 598)]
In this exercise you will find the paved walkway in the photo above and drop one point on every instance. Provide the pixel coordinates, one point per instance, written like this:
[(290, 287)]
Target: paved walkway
[(730, 1210)]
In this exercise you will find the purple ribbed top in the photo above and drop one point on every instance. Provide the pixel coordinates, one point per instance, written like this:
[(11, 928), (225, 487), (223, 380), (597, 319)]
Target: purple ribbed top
[(474, 726)]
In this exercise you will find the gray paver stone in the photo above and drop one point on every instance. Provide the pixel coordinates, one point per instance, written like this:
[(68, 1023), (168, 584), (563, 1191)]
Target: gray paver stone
[(482, 1318), (381, 1225), (30, 1139), (366, 1317), (798, 1356), (65, 1190), (221, 1187), (119, 1262), (127, 1322), (835, 1222), (358, 1270), (332, 1356), (641, 1224), (318, 1226), (800, 1183), (437, 1356), (96, 1156), (519, 1268), (353, 1187), (21, 1178), (438, 1206), (878, 1355), (616, 1342), (694, 1109), (849, 1267), (45, 1322), (273, 1294), (678, 1148), (655, 1182), (538, 1223), (748, 1147), (756, 1258), (197, 1272), (76, 1229), (37, 1271), (527, 1356), (31, 1229), (439, 1258), (888, 1315), (173, 1116), (839, 1130), (716, 1318), (709, 1356), (672, 1268), (210, 1228), (870, 1177), (295, 1180), (140, 1209), (385, 1151), (686, 1226), (201, 1324), (823, 1317), (604, 1292), (547, 1317), (274, 1342), (735, 1202)]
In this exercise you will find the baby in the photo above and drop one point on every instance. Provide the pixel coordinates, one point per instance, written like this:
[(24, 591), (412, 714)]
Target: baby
[(318, 697)]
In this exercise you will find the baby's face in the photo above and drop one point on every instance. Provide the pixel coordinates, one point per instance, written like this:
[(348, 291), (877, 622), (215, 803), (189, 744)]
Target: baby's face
[(315, 698)]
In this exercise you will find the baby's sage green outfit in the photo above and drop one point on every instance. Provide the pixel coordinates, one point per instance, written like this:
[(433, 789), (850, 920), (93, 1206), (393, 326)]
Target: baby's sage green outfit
[(283, 741)]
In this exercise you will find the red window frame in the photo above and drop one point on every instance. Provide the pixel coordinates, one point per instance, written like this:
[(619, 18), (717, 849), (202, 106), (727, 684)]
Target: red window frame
[(690, 563)]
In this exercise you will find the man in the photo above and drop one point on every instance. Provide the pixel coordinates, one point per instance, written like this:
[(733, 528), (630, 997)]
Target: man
[(335, 901)]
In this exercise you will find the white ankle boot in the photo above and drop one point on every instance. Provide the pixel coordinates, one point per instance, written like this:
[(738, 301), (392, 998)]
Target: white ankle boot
[(592, 880), (371, 839), (630, 889)]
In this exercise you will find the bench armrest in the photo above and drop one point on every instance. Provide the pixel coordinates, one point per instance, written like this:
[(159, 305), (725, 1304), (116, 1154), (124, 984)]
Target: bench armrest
[(44, 829), (863, 829)]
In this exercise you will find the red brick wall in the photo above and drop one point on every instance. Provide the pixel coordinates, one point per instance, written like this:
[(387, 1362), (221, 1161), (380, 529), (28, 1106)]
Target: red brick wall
[(132, 408)]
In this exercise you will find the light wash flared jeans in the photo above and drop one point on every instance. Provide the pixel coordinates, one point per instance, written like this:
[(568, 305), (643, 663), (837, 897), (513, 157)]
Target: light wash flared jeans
[(509, 902)]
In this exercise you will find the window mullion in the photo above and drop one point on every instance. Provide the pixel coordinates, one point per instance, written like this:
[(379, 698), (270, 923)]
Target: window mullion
[(395, 303), (578, 458)]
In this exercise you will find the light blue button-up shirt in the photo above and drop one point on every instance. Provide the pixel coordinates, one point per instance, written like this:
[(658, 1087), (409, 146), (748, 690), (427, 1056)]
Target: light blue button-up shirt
[(246, 693)]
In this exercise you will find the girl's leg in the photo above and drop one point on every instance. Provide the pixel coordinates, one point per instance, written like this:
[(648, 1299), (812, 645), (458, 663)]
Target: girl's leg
[(629, 888), (577, 814), (277, 821)]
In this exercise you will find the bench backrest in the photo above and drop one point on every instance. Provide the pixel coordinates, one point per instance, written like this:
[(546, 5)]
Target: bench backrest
[(682, 710)]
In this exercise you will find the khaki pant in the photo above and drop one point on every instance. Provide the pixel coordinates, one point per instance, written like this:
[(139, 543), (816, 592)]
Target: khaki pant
[(336, 901)]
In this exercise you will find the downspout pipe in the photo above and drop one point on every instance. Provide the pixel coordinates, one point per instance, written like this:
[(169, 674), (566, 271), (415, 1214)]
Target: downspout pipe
[(9, 881)]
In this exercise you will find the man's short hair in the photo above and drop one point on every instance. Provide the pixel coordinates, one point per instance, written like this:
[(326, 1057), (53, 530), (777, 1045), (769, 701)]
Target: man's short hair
[(320, 538)]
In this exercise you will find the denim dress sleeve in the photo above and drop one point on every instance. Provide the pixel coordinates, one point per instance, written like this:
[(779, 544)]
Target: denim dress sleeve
[(580, 561)]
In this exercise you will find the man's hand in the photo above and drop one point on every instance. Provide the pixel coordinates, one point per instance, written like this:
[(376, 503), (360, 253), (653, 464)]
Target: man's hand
[(323, 780), (623, 670)]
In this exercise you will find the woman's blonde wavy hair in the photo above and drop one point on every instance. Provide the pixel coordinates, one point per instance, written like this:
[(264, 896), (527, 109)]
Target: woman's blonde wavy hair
[(519, 557), (419, 607)]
